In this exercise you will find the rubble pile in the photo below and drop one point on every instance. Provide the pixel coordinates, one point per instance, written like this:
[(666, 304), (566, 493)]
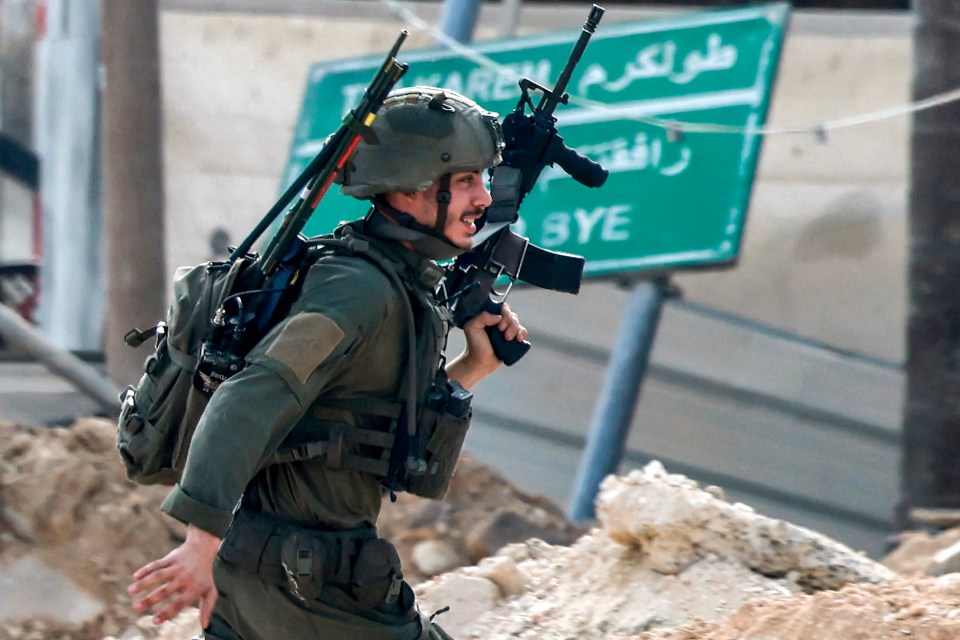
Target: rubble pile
[(668, 559)]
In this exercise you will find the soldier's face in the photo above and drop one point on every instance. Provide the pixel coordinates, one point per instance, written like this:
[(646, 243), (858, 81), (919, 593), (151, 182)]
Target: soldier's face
[(469, 199)]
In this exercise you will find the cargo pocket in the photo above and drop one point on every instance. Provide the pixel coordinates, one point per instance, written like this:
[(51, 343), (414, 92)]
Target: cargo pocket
[(377, 577)]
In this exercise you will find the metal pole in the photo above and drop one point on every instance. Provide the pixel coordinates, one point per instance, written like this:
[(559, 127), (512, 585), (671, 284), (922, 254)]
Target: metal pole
[(509, 18), (618, 398), (460, 19), (133, 197), (17, 41), (66, 131), (61, 362), (929, 473)]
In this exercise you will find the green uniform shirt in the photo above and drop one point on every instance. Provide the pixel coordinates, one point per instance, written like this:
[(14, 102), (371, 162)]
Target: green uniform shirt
[(345, 337)]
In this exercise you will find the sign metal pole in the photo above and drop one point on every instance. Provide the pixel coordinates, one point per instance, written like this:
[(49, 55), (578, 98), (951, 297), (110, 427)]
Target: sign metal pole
[(618, 399), (460, 19)]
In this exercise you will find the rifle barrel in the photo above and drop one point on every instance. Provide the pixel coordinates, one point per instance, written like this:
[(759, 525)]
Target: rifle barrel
[(336, 151), (319, 169), (549, 102), (396, 47)]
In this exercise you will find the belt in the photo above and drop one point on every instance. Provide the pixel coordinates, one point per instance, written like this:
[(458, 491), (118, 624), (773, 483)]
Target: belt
[(304, 559)]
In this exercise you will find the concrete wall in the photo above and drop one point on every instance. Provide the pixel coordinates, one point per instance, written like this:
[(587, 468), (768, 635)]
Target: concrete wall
[(825, 249)]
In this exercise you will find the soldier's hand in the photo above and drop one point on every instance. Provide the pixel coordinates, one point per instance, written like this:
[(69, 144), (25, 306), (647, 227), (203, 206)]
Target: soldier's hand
[(478, 359), (510, 326), (179, 579)]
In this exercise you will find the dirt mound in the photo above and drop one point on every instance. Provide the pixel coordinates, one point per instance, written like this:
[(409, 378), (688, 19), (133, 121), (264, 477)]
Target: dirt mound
[(67, 511), (70, 522), (669, 561), (667, 553), (915, 608)]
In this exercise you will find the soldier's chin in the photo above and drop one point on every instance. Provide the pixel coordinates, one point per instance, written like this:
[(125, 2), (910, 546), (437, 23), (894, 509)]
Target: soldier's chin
[(460, 241)]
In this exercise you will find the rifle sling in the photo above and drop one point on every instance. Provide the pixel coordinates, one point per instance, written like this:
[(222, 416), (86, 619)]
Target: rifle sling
[(508, 253)]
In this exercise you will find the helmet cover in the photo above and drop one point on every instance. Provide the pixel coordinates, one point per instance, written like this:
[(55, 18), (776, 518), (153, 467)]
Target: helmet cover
[(422, 133)]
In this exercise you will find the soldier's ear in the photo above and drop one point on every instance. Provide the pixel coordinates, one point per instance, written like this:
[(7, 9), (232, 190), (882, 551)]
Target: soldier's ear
[(403, 201)]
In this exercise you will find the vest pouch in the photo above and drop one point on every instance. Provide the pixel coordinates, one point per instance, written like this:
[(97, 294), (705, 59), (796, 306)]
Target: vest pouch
[(151, 442), (138, 440), (304, 559), (441, 432)]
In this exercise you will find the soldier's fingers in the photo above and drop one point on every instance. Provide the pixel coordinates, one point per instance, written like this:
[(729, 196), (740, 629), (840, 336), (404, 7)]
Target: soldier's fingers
[(522, 333), (170, 585), (154, 598), (206, 607), (147, 579), (150, 568), (172, 607), (482, 320), (491, 319), (510, 326)]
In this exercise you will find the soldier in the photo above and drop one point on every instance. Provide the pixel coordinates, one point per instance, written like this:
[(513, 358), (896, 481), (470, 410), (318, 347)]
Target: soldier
[(290, 550)]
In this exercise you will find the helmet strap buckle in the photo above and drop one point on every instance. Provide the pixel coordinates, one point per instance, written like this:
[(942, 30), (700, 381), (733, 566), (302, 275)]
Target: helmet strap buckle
[(443, 202)]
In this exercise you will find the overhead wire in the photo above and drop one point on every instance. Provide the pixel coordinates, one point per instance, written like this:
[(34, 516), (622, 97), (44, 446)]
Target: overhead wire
[(820, 129)]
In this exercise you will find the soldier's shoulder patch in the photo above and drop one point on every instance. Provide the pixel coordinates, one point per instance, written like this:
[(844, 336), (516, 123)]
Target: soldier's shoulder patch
[(305, 342)]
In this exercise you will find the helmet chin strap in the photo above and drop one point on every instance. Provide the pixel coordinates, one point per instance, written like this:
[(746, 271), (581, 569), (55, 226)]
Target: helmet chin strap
[(389, 222), (443, 203)]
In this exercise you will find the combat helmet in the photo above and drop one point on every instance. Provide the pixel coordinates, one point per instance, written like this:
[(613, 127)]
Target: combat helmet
[(423, 134)]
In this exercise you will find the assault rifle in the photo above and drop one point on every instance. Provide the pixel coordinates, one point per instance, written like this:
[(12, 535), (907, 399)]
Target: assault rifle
[(532, 143)]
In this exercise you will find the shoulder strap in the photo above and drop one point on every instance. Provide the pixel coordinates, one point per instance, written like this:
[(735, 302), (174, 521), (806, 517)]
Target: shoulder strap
[(409, 387)]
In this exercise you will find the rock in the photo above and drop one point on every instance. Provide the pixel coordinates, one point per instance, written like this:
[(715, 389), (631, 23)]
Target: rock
[(504, 573), (675, 523), (17, 523), (31, 589), (480, 513), (468, 596), (432, 557), (917, 551), (505, 527)]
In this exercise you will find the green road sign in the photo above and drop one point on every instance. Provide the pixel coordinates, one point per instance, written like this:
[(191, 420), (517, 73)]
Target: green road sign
[(675, 198)]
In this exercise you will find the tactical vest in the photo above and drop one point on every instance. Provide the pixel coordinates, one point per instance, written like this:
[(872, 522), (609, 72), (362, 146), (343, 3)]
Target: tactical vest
[(426, 423), (418, 451)]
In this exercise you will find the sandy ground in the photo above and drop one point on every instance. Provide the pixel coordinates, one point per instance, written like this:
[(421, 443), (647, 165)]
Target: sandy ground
[(667, 559)]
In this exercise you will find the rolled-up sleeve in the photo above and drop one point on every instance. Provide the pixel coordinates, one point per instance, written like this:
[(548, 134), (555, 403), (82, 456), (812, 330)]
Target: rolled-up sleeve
[(184, 508)]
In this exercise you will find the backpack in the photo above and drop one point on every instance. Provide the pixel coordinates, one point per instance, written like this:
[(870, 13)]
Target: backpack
[(220, 310), (159, 414)]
